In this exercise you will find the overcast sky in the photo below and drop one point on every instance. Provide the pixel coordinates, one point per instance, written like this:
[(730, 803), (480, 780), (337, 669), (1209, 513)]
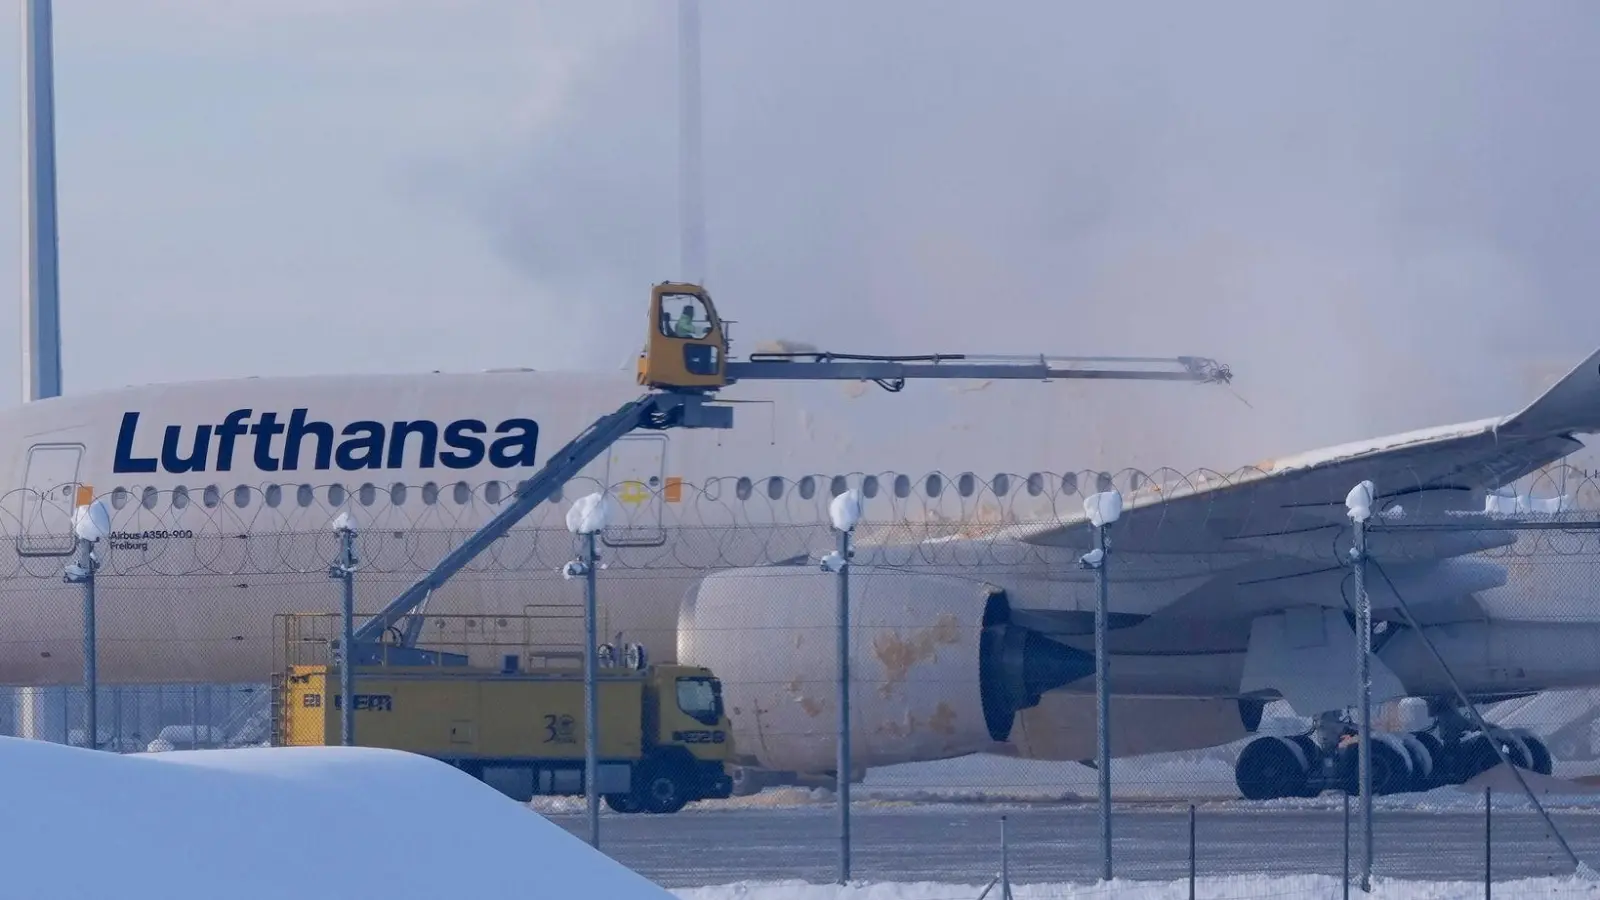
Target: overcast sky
[(1379, 214)]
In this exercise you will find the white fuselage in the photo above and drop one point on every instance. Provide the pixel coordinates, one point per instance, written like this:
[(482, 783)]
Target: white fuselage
[(222, 493)]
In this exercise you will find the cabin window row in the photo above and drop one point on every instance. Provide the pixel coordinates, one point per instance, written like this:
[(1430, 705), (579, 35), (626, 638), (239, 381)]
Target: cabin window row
[(966, 484), (494, 492), (305, 495)]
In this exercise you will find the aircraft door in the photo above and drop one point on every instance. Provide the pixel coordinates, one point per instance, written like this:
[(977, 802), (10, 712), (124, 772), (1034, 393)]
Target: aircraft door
[(635, 468), (51, 487)]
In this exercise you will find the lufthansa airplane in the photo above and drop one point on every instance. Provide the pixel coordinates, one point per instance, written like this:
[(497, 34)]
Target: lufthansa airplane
[(971, 606)]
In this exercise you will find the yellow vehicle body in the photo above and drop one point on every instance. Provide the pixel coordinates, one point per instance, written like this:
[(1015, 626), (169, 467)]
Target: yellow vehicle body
[(663, 739)]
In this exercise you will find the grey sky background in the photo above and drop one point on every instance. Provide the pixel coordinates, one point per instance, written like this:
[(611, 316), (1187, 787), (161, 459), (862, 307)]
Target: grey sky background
[(1381, 215)]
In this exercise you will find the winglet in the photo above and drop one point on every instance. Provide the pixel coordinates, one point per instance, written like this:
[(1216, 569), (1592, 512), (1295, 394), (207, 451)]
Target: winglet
[(1572, 405)]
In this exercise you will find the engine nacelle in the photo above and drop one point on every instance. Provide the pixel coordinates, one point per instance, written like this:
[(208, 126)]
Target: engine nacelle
[(936, 669)]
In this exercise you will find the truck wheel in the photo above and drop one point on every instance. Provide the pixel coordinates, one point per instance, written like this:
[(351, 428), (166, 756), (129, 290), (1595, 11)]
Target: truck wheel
[(623, 803), (660, 786)]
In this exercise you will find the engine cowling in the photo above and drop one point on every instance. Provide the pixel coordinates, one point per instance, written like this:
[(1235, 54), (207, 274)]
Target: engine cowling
[(936, 668)]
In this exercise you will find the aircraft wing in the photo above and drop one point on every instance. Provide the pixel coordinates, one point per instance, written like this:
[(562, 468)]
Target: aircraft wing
[(1287, 507)]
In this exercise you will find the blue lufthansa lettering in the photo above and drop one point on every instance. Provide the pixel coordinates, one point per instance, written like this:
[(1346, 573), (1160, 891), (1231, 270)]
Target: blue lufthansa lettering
[(364, 444)]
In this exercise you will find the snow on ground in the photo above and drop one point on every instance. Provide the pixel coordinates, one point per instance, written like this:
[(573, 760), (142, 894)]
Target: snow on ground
[(1240, 887), (251, 823)]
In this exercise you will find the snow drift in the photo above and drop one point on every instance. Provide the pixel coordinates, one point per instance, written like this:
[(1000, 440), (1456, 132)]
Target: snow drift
[(273, 822)]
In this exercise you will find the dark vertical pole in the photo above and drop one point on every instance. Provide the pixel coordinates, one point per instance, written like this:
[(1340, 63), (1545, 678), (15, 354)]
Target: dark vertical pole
[(1346, 847), (1102, 692), (591, 704), (91, 685), (1364, 689), (1005, 862), (81, 571), (842, 785), (347, 639), (1488, 832), (1191, 851)]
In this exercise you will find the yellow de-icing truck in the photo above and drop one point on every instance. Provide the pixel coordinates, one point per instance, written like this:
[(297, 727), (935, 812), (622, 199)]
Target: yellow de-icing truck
[(664, 740)]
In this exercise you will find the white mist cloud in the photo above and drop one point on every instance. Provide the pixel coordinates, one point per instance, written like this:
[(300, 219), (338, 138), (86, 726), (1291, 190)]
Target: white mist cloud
[(1371, 211)]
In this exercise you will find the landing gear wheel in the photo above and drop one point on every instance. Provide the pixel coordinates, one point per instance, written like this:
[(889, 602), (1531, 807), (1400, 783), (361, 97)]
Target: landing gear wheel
[(1470, 758), (1391, 767), (1271, 767), (1541, 760), (1421, 764), (1437, 763), (623, 803), (659, 786)]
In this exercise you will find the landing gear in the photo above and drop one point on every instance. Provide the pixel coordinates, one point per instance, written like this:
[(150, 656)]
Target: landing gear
[(1327, 758)]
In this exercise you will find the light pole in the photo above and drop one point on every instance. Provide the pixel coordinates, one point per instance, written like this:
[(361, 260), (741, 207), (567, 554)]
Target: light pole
[(845, 511), (1358, 505), (1103, 509), (587, 518), (90, 523), (344, 571)]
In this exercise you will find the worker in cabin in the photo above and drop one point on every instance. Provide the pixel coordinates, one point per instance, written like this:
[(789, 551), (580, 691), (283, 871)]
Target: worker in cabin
[(685, 326)]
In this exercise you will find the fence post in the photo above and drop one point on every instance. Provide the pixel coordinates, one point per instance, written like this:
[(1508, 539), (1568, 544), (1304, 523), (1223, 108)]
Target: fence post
[(587, 517), (1191, 851), (343, 571), (1005, 862), (1346, 847), (1358, 504), (1488, 844), (91, 522), (1102, 509), (845, 512)]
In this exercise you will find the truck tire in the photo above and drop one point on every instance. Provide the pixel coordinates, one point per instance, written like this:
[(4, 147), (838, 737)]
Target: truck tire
[(623, 803), (660, 785)]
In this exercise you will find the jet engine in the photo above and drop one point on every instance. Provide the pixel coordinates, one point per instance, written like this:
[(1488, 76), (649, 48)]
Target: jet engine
[(936, 668)]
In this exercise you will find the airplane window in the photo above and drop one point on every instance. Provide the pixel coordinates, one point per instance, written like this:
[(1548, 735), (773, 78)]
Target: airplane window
[(336, 495), (684, 316), (304, 495), (1102, 482), (397, 493), (211, 497), (934, 486), (367, 493), (1002, 484), (149, 499), (274, 495), (463, 494), (430, 493), (1035, 484), (491, 492), (775, 488), (838, 485), (902, 486), (869, 486), (966, 484), (180, 497), (557, 495), (1069, 483), (742, 488), (241, 496), (1135, 481), (119, 498), (808, 487)]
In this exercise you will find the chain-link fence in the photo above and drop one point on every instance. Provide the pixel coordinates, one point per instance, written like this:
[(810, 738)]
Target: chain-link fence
[(972, 635)]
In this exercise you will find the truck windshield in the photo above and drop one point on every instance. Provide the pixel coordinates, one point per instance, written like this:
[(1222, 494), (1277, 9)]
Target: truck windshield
[(700, 699)]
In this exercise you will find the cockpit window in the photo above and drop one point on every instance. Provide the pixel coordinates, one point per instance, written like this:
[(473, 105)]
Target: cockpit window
[(701, 699), (684, 316)]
